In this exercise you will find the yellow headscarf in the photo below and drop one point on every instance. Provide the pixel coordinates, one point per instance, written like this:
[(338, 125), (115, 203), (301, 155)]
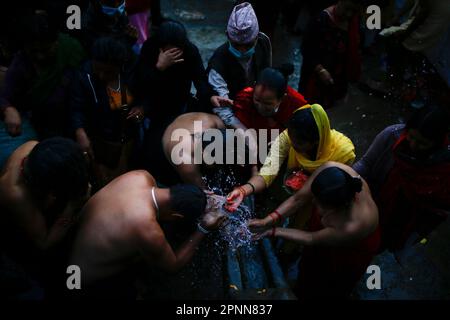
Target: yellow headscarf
[(333, 145)]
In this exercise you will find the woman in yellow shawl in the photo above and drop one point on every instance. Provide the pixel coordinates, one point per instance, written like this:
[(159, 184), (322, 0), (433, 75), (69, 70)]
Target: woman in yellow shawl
[(307, 144)]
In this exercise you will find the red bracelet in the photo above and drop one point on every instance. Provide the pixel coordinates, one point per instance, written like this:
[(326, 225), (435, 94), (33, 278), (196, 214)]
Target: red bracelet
[(274, 220), (279, 216)]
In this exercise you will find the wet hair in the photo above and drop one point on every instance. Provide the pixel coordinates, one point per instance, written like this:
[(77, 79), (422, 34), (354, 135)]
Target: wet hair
[(334, 187), (57, 166), (110, 50), (188, 200), (172, 32), (431, 122), (39, 29), (303, 127), (274, 80)]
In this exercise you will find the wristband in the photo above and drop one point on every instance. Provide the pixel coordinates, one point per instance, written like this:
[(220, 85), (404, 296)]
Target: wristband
[(252, 186), (202, 230)]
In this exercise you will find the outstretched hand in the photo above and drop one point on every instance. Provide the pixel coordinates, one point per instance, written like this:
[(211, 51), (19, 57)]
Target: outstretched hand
[(261, 235), (215, 216), (218, 101), (234, 200)]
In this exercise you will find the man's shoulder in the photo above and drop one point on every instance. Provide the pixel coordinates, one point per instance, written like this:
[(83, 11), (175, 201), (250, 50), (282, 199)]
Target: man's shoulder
[(10, 191), (141, 178)]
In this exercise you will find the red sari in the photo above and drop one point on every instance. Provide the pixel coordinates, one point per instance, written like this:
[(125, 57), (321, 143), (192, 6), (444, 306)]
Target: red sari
[(333, 272), (414, 198)]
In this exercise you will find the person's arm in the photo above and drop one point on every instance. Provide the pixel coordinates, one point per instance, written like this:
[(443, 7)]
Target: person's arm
[(24, 216), (278, 153), (312, 48), (78, 104), (65, 221), (329, 237), (31, 222), (420, 16), (293, 204), (218, 83), (157, 251), (220, 107), (147, 75), (376, 149), (13, 87)]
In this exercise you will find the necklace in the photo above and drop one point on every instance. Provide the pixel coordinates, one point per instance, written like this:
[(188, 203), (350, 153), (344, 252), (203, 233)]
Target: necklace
[(118, 89), (155, 203)]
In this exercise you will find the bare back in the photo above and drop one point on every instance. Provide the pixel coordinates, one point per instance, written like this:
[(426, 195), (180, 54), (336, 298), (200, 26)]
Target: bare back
[(107, 239), (187, 122)]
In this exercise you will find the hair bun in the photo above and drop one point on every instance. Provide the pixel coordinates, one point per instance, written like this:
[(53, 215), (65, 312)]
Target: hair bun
[(357, 184)]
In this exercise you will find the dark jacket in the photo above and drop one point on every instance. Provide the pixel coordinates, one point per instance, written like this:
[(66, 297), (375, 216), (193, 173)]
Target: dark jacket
[(90, 107), (224, 63), (165, 95)]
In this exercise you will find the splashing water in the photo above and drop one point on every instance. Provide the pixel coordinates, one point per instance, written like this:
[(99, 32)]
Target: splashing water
[(235, 232)]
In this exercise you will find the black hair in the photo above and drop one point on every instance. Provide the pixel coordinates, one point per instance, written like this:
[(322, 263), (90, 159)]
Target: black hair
[(172, 32), (274, 80), (39, 29), (431, 122), (57, 166), (110, 50), (303, 126), (188, 200), (335, 188)]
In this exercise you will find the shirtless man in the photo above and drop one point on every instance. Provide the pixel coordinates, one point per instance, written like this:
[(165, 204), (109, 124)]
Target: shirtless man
[(188, 171), (121, 225), (342, 237), (42, 187)]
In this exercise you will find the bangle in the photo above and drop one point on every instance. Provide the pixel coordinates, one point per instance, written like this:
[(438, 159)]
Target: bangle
[(202, 230), (275, 216), (279, 216), (273, 219), (252, 186), (242, 190)]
